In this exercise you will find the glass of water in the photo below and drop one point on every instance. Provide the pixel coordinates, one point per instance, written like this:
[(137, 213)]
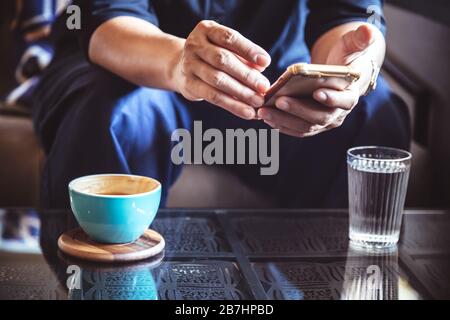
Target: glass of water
[(377, 183)]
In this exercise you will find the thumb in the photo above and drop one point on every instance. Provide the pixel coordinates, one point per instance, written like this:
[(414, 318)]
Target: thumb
[(358, 40)]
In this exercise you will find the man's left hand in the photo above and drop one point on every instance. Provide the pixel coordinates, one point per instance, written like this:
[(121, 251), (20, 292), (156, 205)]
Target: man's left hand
[(328, 108)]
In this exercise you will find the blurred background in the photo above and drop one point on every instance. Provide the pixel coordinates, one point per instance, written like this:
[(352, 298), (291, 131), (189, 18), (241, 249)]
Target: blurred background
[(417, 66)]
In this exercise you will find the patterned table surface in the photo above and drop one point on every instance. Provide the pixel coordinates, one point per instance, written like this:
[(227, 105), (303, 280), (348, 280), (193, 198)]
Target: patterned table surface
[(231, 254)]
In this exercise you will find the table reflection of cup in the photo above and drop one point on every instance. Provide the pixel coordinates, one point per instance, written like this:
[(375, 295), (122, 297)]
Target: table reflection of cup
[(371, 274), (113, 282)]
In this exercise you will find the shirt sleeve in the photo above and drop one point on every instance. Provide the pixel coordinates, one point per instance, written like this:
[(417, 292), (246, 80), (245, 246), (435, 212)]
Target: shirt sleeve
[(96, 12), (327, 14)]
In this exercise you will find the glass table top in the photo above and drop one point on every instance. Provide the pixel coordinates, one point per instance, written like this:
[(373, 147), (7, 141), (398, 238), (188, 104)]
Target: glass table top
[(231, 254)]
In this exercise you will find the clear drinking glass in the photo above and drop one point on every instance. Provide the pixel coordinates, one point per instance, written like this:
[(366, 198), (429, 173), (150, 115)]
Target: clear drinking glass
[(377, 183)]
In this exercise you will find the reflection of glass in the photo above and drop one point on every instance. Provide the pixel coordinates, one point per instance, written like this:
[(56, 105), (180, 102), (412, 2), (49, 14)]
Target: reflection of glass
[(377, 180), (371, 274), (115, 282)]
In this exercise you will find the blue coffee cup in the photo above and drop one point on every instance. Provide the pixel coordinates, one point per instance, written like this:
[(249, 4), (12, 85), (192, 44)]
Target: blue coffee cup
[(114, 208)]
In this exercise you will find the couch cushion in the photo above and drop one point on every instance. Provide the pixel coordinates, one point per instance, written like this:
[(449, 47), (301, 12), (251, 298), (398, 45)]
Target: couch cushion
[(202, 186), (20, 162)]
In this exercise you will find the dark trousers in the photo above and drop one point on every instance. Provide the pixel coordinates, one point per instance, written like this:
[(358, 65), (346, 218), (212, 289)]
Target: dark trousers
[(90, 121)]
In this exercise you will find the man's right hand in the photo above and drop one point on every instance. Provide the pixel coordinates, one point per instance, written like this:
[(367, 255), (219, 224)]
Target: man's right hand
[(219, 65)]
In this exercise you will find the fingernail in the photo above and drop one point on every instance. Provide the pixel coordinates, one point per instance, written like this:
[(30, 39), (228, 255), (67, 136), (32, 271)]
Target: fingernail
[(257, 101), (362, 38), (283, 105), (262, 60), (363, 34), (262, 85), (258, 114), (249, 113), (321, 96)]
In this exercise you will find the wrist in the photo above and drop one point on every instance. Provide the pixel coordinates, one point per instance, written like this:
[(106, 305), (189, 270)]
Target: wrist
[(173, 73)]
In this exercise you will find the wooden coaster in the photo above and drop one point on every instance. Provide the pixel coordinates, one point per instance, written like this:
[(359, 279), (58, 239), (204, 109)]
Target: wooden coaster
[(147, 264), (77, 243)]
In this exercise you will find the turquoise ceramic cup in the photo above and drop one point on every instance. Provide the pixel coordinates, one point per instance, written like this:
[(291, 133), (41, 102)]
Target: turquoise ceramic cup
[(114, 208)]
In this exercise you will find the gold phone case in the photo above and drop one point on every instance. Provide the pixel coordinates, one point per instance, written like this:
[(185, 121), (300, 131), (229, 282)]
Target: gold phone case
[(301, 79)]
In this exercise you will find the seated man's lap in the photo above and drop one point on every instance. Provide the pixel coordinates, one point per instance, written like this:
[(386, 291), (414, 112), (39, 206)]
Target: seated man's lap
[(90, 121)]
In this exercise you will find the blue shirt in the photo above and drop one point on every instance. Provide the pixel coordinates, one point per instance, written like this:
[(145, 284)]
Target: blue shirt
[(287, 29)]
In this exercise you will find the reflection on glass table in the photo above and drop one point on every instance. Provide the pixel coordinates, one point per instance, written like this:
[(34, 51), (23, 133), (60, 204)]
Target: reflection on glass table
[(231, 255)]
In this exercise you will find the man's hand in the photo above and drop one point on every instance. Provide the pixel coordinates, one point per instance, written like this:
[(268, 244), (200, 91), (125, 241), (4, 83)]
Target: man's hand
[(214, 63), (328, 108), (219, 65)]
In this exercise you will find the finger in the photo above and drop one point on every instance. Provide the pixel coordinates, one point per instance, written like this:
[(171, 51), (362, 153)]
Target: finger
[(358, 40), (309, 110), (228, 62), (272, 124), (345, 99), (294, 133), (218, 98), (300, 134), (251, 64), (223, 82), (336, 124), (234, 41), (286, 120)]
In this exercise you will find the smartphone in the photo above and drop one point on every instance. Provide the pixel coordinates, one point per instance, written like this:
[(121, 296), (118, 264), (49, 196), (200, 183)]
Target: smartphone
[(300, 80)]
